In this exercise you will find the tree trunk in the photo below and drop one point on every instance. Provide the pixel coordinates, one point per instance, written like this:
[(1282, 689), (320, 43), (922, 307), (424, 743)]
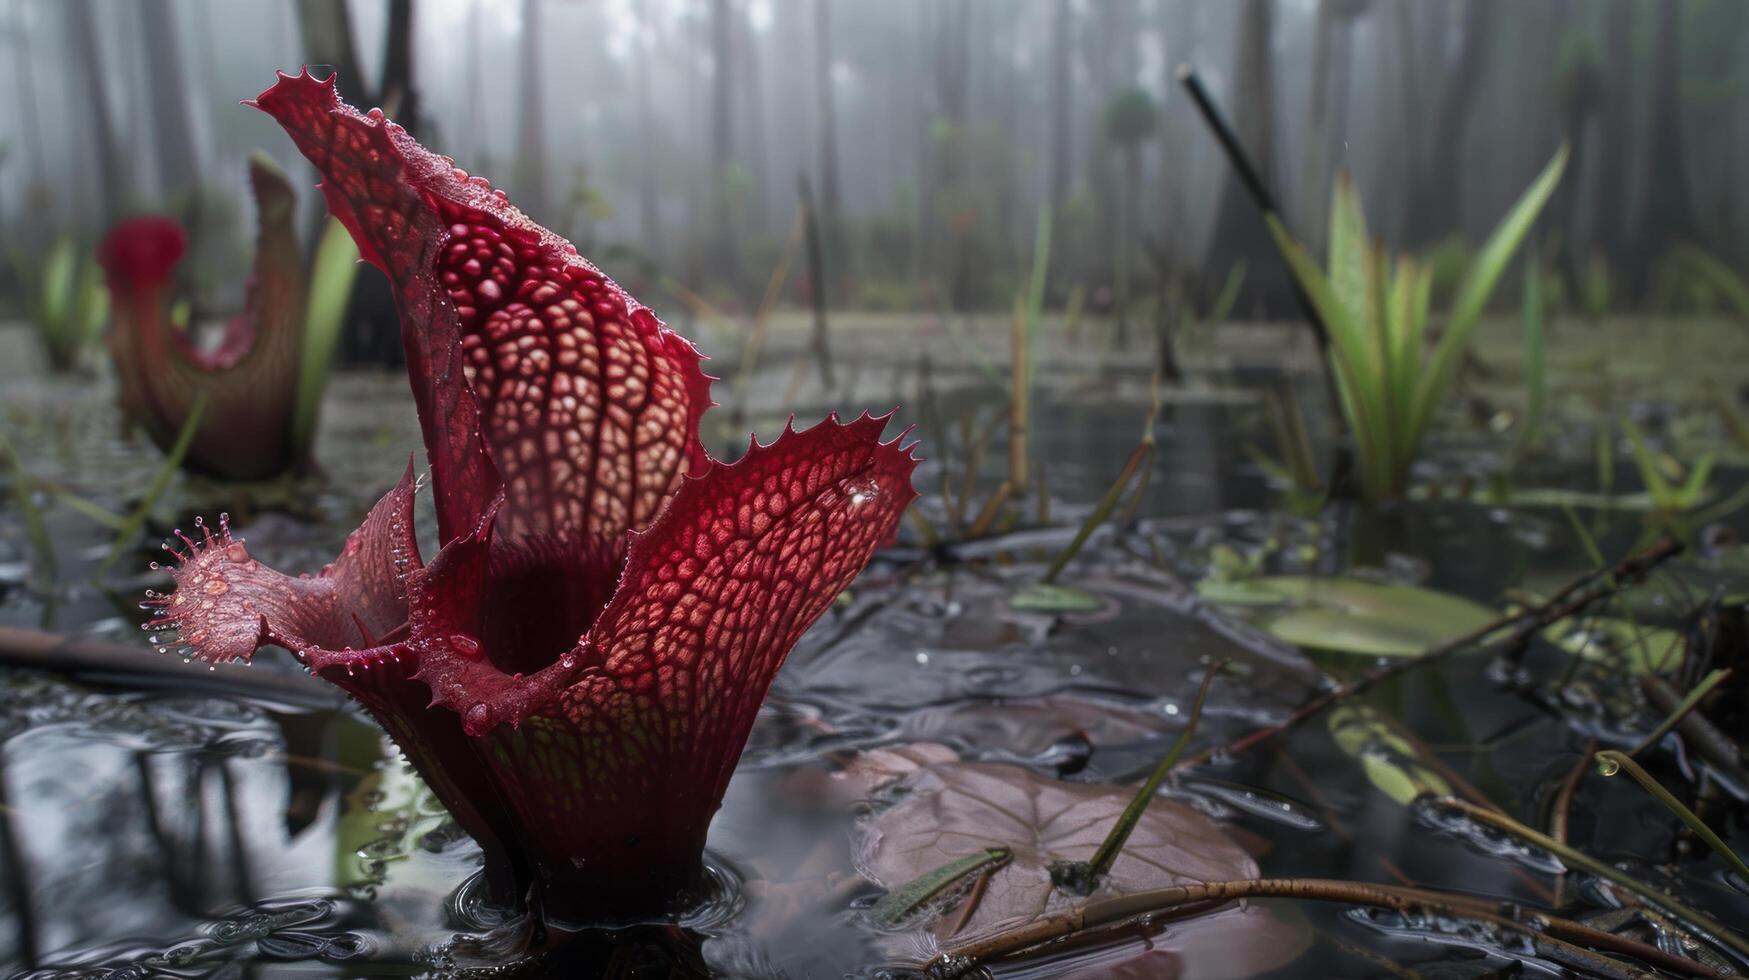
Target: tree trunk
[(1110, 54), (723, 135), (1126, 235), (1178, 30), (24, 89), (395, 91), (1436, 212), (167, 92), (1615, 132), (649, 215), (1240, 232), (327, 33), (114, 173), (1667, 207), (1062, 96), (747, 64), (827, 107), (531, 144)]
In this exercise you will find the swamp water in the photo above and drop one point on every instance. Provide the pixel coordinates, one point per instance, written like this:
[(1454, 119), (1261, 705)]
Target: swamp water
[(158, 822)]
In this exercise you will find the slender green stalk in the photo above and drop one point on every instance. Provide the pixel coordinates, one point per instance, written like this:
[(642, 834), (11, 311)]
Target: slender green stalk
[(1694, 697), (1103, 858), (96, 513), (160, 484), (42, 543), (1694, 919), (1535, 367), (1611, 762), (1108, 503)]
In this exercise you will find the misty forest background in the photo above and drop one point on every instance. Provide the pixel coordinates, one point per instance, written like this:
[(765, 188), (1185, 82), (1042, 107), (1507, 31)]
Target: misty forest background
[(666, 137)]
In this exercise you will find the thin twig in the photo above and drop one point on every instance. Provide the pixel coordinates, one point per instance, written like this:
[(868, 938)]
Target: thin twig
[(1142, 453), (1682, 709), (1696, 920), (1525, 623), (1550, 934)]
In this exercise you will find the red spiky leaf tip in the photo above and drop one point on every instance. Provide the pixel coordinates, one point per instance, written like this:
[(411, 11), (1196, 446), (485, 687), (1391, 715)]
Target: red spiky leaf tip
[(249, 378), (577, 670)]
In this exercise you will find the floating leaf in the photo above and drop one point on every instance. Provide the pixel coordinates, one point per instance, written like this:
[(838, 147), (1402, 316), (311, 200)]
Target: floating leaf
[(950, 810), (1350, 615), (1240, 592)]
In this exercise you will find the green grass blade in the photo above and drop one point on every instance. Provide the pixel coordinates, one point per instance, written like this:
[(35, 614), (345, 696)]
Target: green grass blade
[(1663, 494), (1693, 488), (1106, 855), (1349, 248), (1535, 368), (1229, 295), (331, 277), (1611, 762), (160, 483), (1722, 277), (1035, 289), (900, 903), (42, 543), (1357, 390), (1478, 285), (55, 293), (1687, 704)]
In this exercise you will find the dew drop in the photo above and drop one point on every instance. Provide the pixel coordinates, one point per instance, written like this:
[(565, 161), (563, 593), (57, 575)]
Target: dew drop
[(478, 720), (1608, 766)]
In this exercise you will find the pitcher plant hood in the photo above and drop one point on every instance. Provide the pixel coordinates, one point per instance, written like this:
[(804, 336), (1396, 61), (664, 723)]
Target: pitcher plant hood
[(577, 669)]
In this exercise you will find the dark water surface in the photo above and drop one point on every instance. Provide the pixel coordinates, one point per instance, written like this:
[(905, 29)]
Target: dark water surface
[(154, 826)]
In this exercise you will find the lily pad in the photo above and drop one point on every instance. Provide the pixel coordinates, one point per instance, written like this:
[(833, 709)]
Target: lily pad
[(1239, 592), (1044, 597), (945, 812), (1379, 619)]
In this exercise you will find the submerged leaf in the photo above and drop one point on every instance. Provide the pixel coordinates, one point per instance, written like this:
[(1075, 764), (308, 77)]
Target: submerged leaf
[(1388, 758)]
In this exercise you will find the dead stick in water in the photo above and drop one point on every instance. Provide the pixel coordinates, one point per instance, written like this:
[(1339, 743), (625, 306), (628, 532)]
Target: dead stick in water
[(1552, 935), (1697, 921), (101, 660)]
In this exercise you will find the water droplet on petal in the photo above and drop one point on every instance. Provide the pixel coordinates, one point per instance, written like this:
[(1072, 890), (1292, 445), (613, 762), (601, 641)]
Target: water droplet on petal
[(478, 720)]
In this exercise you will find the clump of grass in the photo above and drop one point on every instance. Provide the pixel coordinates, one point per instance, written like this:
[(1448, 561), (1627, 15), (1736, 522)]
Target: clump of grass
[(1391, 374), (70, 303), (1675, 489)]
